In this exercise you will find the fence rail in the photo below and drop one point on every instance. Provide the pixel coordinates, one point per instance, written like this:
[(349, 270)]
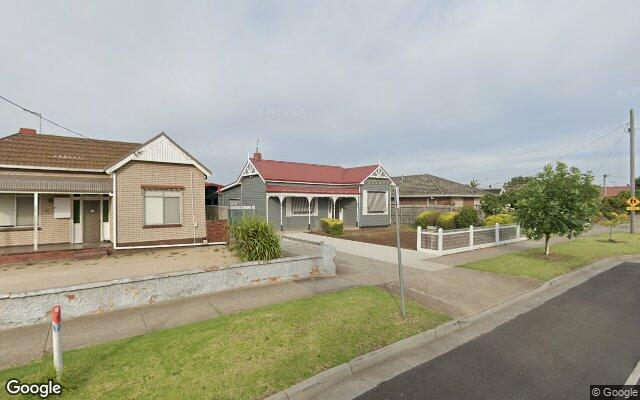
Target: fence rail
[(442, 242)]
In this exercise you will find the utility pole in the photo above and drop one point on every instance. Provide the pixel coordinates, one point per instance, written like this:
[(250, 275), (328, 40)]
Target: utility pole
[(403, 310), (632, 158), (604, 186)]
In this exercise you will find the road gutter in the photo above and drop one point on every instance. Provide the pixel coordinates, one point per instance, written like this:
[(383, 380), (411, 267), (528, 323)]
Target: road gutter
[(365, 372)]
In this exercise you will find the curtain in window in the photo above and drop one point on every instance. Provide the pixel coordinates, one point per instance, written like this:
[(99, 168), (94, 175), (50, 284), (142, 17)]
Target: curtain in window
[(171, 207), (24, 214), (376, 202), (7, 211), (300, 206), (161, 207)]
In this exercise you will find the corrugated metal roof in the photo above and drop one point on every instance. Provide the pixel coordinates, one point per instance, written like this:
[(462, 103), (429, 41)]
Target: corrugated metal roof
[(24, 183)]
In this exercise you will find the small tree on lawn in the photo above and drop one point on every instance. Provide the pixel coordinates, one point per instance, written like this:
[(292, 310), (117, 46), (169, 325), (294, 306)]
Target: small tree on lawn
[(558, 201), (612, 219)]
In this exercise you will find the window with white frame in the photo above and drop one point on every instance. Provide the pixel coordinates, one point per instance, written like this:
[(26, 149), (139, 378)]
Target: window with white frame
[(375, 202), (16, 210), (299, 206), (161, 207)]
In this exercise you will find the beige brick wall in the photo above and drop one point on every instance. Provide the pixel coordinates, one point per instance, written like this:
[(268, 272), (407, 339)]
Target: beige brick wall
[(130, 202), (52, 230)]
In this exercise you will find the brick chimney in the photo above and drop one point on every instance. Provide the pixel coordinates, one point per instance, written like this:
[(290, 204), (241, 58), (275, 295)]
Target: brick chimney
[(27, 131), (257, 156)]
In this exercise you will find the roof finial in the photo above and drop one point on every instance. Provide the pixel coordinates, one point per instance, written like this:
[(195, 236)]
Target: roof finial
[(257, 145)]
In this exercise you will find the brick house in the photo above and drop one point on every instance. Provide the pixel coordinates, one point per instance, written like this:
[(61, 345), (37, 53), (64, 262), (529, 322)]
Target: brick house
[(431, 190), (85, 192)]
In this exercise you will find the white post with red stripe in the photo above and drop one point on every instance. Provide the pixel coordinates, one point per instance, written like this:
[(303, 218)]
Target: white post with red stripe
[(56, 340)]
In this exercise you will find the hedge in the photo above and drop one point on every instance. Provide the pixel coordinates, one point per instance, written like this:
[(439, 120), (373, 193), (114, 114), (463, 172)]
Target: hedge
[(466, 217), (502, 219), (427, 218), (447, 220), (331, 226)]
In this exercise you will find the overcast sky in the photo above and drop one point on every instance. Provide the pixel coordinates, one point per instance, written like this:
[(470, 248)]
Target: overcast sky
[(477, 89)]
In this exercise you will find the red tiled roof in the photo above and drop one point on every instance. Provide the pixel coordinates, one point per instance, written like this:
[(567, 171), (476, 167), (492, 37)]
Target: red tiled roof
[(316, 189), (613, 191), (272, 170)]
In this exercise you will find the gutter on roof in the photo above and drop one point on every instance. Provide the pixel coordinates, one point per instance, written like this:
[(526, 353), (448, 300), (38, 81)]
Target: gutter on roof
[(10, 166)]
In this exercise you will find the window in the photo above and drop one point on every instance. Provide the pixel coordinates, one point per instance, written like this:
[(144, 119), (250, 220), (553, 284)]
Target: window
[(375, 202), (299, 206), (16, 210), (105, 210), (161, 207)]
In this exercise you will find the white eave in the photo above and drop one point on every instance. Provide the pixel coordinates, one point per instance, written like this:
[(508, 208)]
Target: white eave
[(160, 148)]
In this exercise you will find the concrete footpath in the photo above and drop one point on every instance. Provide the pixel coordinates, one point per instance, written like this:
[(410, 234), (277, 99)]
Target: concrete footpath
[(378, 370)]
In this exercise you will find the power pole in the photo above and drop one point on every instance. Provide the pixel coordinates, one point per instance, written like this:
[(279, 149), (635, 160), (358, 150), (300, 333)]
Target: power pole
[(632, 158), (604, 186)]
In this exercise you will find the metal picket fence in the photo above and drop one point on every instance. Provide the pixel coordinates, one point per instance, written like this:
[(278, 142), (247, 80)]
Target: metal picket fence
[(440, 242)]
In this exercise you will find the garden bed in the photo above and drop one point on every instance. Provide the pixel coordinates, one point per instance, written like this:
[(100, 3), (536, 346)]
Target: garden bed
[(385, 236)]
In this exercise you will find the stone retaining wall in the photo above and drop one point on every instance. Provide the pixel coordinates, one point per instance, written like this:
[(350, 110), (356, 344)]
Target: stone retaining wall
[(19, 309)]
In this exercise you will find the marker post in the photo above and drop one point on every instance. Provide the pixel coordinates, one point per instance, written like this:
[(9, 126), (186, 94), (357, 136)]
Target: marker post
[(56, 340)]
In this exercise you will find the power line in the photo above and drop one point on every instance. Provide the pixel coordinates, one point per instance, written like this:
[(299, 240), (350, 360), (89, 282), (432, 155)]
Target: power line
[(37, 114), (572, 152), (610, 153)]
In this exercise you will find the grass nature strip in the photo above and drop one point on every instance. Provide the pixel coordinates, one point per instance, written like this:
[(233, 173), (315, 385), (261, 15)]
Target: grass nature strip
[(565, 257), (248, 355)]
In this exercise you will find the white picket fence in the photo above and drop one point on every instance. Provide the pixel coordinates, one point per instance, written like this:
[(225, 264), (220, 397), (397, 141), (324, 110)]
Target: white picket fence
[(440, 242)]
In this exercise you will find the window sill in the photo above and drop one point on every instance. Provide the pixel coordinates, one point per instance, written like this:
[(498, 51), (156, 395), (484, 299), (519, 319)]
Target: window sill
[(17, 228), (162, 226)]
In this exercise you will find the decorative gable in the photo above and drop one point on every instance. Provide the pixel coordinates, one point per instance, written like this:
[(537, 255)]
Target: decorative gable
[(161, 149), (379, 173), (249, 169)]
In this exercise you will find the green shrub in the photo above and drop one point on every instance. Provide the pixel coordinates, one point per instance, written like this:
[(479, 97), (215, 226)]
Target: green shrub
[(333, 227), (466, 217), (427, 218), (447, 220), (502, 219), (254, 239)]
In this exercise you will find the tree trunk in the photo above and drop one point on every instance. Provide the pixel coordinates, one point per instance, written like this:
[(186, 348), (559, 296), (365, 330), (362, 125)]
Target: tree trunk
[(546, 244)]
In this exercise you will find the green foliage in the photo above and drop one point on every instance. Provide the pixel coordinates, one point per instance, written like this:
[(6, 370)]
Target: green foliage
[(427, 218), (614, 204), (502, 219), (333, 227), (558, 201), (612, 219), (466, 217), (491, 204), (254, 239), (447, 220)]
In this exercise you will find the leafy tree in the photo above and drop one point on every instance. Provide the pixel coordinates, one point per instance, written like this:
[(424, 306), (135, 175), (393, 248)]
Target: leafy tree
[(517, 182), (474, 183), (558, 201), (490, 204), (612, 219)]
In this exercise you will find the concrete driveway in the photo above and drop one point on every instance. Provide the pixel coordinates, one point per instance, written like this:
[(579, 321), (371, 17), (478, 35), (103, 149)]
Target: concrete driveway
[(457, 292)]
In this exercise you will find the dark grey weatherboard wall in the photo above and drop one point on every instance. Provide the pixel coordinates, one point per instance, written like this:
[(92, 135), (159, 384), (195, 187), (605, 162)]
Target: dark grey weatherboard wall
[(376, 219)]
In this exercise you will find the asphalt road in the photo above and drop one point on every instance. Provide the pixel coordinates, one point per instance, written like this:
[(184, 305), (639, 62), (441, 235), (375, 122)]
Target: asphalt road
[(588, 335)]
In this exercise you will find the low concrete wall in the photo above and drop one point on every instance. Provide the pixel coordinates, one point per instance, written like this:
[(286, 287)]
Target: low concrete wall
[(19, 309)]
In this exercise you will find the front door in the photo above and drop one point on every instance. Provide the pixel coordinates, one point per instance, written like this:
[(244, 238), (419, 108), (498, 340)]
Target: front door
[(91, 221)]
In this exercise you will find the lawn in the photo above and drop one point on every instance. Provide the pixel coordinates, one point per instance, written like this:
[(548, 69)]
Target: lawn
[(385, 236), (248, 355), (565, 257)]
